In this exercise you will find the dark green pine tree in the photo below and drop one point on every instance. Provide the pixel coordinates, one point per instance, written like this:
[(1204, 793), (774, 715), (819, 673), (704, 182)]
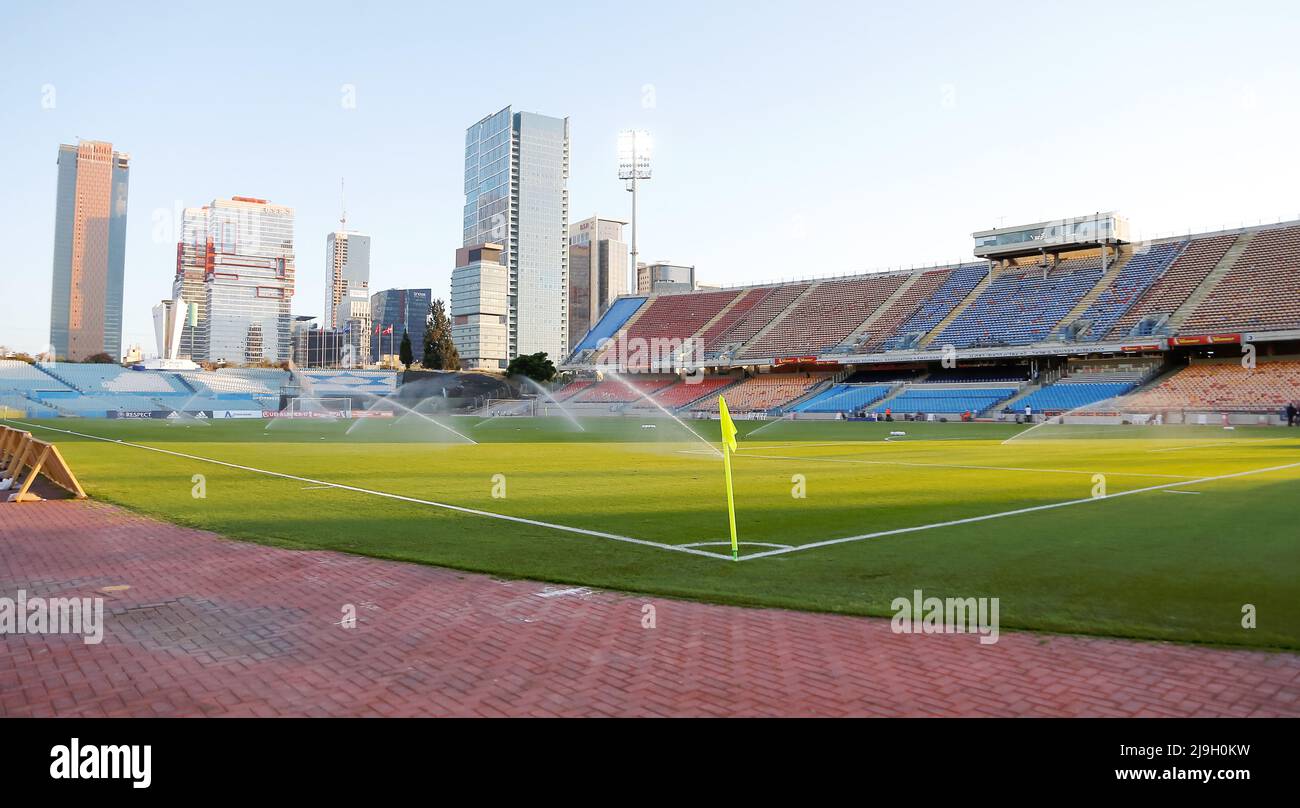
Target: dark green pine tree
[(405, 354), (439, 351)]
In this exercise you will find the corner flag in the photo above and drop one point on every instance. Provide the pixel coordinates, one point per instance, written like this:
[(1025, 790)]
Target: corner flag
[(729, 446)]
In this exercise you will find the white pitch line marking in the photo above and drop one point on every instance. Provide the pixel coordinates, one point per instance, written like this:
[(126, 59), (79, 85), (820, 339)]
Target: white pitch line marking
[(1197, 446), (459, 509), (1175, 491), (1018, 511), (741, 543)]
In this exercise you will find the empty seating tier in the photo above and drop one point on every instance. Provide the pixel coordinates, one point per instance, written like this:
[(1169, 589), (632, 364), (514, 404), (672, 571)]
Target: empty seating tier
[(1066, 396), (774, 300), (844, 398), (1023, 305), (1132, 281), (1222, 385), (953, 291), (826, 317), (887, 324), (764, 392), (617, 391), (1172, 289), (946, 400), (1261, 292)]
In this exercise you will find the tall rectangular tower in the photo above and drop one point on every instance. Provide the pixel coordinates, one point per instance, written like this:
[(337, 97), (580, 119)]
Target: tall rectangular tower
[(597, 272), (347, 269), (516, 195), (89, 251), (249, 282)]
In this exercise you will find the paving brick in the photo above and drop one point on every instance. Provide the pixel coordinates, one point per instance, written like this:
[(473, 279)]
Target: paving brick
[(224, 628)]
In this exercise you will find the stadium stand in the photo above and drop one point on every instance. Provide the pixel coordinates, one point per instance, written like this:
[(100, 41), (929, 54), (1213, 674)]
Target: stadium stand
[(1067, 395), (764, 392), (1223, 385), (844, 398), (571, 389), (614, 391), (711, 337), (826, 317), (1133, 280), (685, 392), (959, 284), (608, 325), (1173, 287), (946, 400), (1260, 293), (901, 310), (776, 300), (678, 316), (1023, 305)]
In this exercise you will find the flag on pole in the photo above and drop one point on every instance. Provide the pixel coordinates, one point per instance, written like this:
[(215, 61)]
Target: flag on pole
[(388, 330), (729, 446)]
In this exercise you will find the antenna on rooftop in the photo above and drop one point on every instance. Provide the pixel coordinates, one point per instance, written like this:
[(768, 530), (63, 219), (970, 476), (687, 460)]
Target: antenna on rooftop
[(343, 204)]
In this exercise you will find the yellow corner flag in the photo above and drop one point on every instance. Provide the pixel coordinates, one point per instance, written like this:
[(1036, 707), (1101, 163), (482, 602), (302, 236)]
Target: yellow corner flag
[(729, 446)]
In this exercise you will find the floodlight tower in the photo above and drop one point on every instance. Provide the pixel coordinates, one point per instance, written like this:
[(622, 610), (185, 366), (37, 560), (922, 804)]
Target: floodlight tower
[(633, 164)]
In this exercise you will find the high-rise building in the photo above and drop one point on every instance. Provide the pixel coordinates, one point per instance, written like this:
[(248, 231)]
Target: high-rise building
[(192, 252), (404, 311), (352, 321), (597, 272), (662, 276), (516, 176), (89, 251), (347, 269), (479, 311), (249, 281)]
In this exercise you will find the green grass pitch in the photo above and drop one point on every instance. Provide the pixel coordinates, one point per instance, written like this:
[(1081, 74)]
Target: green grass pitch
[(1176, 562)]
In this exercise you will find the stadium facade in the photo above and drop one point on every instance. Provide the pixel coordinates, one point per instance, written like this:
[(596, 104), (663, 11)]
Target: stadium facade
[(89, 251)]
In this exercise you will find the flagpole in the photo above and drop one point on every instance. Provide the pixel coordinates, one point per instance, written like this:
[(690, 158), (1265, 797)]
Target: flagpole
[(731, 503)]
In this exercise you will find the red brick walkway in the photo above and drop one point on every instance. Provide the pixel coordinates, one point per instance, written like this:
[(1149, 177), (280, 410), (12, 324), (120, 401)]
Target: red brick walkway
[(217, 627)]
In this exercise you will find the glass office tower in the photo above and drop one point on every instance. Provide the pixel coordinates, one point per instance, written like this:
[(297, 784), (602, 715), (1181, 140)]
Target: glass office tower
[(249, 282), (405, 311), (89, 251), (516, 195)]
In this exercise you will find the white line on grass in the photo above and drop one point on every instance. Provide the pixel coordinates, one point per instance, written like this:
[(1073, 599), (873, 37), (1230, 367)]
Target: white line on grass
[(1196, 446), (1018, 511), (518, 519)]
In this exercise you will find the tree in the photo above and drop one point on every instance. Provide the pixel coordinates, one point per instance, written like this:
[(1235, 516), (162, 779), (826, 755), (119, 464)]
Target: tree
[(405, 354), (101, 359), (439, 351), (535, 366)]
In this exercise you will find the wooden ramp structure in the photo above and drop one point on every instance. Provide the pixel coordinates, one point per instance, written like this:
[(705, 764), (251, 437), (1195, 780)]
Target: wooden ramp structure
[(23, 459)]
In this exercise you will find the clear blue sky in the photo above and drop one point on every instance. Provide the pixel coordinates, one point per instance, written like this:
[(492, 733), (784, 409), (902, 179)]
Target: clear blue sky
[(791, 139)]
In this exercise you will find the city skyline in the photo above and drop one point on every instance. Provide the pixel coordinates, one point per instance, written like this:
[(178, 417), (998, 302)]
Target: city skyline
[(901, 189)]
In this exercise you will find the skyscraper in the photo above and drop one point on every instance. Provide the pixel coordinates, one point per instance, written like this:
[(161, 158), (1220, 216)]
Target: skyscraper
[(479, 319), (516, 175), (192, 252), (597, 272), (405, 311), (249, 281), (347, 269), (89, 251)]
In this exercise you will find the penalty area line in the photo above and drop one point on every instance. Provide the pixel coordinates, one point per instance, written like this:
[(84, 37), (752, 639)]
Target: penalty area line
[(1017, 512), (340, 486)]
